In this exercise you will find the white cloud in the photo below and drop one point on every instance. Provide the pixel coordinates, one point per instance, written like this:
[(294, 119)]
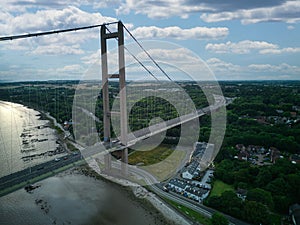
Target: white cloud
[(161, 9), (105, 3), (55, 49), (241, 47), (24, 5), (179, 33), (228, 70), (246, 46), (215, 11), (178, 55), (288, 12), (92, 58), (52, 19), (70, 68), (218, 65), (279, 51), (290, 27), (281, 68)]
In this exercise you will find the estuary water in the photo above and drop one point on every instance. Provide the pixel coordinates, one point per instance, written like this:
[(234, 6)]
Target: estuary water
[(76, 199), (25, 139), (67, 198)]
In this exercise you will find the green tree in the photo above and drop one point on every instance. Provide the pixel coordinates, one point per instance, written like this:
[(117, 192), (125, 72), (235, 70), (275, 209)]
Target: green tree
[(219, 219), (260, 195), (256, 213), (264, 177)]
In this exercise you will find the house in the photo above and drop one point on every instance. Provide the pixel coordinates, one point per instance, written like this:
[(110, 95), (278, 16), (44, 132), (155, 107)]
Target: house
[(294, 212), (296, 108), (191, 171), (197, 194), (261, 119), (199, 149), (274, 154), (177, 184), (208, 156), (261, 150), (240, 147), (293, 114), (243, 155), (295, 158), (241, 193)]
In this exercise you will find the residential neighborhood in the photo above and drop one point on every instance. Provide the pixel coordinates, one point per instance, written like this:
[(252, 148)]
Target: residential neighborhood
[(194, 180)]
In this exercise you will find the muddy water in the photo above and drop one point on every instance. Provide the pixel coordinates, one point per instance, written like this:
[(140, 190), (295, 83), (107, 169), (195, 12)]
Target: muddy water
[(75, 199)]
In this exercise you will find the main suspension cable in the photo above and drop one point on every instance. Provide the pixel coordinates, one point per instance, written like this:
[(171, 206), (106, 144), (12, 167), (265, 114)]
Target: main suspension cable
[(136, 58), (139, 44), (13, 37)]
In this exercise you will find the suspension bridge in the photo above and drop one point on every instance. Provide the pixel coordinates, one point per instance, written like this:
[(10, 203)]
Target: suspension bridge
[(117, 113)]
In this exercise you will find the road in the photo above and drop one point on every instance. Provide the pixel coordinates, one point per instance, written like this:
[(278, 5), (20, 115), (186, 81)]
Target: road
[(38, 170), (198, 207), (156, 188), (134, 137)]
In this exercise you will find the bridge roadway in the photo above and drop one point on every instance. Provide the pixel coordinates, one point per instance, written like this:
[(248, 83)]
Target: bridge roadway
[(152, 130), (37, 170)]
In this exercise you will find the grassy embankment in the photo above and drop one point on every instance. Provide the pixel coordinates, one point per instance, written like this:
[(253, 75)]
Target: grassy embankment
[(162, 161), (189, 213)]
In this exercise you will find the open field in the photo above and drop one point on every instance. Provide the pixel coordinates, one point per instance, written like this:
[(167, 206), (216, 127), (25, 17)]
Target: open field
[(162, 162), (151, 157), (219, 187)]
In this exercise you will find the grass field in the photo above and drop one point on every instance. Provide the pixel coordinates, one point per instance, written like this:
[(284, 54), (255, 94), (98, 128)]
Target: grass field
[(162, 162), (219, 187), (151, 157)]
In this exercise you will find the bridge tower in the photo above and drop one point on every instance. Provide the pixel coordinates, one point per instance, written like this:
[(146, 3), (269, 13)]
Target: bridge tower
[(119, 35)]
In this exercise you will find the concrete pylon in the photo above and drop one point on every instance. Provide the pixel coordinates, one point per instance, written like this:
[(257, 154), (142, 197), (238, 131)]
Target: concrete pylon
[(119, 35)]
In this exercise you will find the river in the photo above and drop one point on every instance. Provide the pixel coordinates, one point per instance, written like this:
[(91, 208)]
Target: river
[(67, 198), (25, 139), (76, 199)]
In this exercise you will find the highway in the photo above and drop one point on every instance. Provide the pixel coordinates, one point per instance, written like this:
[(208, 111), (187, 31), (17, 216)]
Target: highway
[(134, 137), (37, 170), (156, 187)]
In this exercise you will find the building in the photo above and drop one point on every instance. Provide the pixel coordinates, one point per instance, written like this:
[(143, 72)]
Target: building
[(241, 193), (199, 149), (197, 194), (208, 156), (295, 158), (243, 155), (191, 171), (274, 154), (240, 147), (187, 189), (177, 185)]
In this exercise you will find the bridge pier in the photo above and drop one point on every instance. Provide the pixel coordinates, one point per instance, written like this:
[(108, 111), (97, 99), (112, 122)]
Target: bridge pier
[(107, 162), (124, 164)]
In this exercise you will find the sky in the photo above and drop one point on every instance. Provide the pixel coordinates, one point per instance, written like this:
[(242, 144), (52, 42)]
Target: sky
[(236, 40)]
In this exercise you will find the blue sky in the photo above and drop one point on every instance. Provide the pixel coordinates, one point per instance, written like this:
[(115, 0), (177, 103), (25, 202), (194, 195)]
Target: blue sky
[(237, 40)]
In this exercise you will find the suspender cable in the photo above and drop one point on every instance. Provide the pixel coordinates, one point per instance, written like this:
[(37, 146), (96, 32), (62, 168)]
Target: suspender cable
[(158, 66), (136, 58)]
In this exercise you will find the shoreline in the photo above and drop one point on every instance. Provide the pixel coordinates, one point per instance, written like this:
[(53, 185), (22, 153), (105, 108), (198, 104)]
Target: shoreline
[(139, 194)]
